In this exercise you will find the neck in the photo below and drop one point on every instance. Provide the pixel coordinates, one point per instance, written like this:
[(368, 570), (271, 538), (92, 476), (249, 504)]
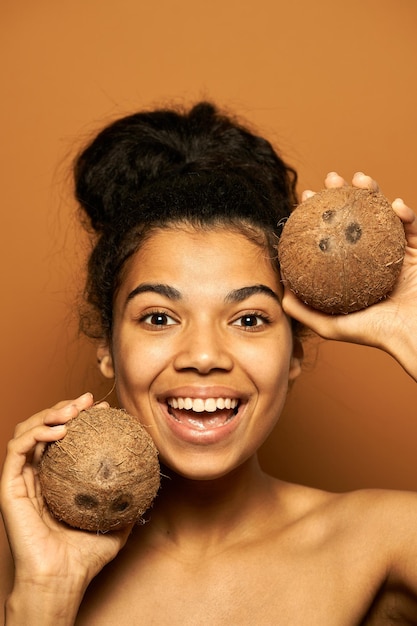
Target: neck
[(203, 513)]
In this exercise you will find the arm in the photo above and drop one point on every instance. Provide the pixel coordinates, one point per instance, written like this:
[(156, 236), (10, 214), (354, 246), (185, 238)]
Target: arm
[(390, 325), (53, 564)]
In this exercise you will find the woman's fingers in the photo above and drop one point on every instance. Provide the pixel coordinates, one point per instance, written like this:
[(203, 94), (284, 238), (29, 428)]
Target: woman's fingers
[(58, 414), (409, 220), (20, 450), (333, 180), (362, 181), (30, 438), (41, 545), (68, 410)]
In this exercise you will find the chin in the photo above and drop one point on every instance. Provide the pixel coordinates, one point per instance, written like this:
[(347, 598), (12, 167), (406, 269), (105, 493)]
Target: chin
[(201, 469)]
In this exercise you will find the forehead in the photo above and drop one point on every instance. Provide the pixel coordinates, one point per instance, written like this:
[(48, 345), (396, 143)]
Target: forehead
[(200, 259)]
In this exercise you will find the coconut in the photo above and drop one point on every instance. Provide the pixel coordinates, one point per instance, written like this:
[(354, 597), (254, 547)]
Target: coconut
[(104, 474), (342, 249)]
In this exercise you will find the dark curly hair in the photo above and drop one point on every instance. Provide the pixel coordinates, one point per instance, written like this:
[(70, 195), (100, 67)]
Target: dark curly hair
[(166, 167)]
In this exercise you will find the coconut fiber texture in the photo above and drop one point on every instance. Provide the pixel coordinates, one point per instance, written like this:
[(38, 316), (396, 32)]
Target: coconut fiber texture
[(104, 474), (342, 249)]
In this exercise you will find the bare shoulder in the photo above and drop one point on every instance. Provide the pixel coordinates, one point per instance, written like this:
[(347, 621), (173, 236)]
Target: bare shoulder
[(393, 514), (388, 535), (366, 538), (382, 505), (381, 509), (383, 519)]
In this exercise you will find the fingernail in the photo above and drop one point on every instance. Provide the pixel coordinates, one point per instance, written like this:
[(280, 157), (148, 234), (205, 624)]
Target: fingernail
[(58, 428), (308, 193), (85, 396)]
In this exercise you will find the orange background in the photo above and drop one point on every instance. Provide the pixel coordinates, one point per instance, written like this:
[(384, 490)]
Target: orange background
[(333, 84)]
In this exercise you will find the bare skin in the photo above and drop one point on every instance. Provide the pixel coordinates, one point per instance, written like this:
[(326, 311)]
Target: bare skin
[(305, 557), (224, 543)]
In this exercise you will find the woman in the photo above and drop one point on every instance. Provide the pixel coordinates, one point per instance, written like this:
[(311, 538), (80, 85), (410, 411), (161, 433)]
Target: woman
[(190, 317)]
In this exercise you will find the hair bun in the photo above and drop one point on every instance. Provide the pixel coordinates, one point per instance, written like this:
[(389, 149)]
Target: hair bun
[(138, 150), (121, 160)]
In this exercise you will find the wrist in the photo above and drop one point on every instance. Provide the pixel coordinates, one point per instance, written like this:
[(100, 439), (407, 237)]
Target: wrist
[(401, 344), (43, 605)]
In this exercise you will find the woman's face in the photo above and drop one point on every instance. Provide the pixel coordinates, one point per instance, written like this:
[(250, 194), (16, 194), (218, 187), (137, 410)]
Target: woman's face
[(201, 349)]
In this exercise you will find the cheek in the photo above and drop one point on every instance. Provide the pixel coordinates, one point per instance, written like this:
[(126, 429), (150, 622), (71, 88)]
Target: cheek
[(273, 377), (271, 364), (133, 379), (137, 364)]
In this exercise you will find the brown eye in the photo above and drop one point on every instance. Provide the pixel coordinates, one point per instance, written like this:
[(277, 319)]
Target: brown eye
[(158, 319), (251, 321)]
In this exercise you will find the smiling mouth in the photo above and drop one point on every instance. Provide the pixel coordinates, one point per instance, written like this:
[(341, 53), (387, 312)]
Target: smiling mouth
[(203, 413)]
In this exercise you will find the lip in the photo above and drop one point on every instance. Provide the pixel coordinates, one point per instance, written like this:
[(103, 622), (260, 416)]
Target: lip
[(191, 391), (207, 436)]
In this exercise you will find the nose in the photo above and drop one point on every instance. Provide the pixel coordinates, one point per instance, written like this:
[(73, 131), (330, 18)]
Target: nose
[(203, 349)]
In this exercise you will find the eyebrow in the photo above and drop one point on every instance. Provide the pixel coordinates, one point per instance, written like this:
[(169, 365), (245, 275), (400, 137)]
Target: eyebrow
[(234, 296), (239, 295), (160, 288)]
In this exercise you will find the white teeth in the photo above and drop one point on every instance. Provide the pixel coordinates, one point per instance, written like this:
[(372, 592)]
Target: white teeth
[(210, 405), (199, 405), (188, 404)]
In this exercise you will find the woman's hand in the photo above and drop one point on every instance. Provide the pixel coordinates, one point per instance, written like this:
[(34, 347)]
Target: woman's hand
[(390, 324), (53, 563)]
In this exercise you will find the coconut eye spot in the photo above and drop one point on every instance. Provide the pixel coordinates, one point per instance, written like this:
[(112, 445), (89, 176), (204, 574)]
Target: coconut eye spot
[(85, 501), (121, 503), (353, 232), (325, 244)]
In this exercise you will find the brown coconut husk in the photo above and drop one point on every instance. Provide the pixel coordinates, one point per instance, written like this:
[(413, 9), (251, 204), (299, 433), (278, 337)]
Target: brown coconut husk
[(104, 474), (342, 249)]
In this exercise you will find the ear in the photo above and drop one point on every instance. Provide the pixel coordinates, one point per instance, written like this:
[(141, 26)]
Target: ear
[(105, 360), (296, 360)]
